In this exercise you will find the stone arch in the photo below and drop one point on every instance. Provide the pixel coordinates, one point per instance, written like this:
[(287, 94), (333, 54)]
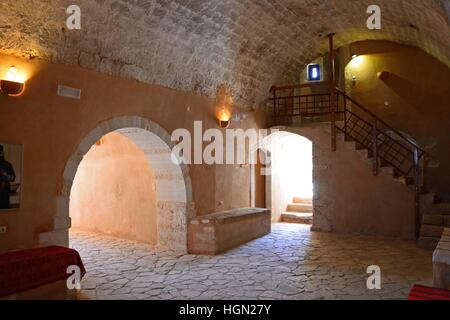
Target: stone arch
[(173, 183)]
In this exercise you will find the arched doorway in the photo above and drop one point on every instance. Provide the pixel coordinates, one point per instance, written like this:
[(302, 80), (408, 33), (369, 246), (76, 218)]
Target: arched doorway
[(172, 181), (289, 179), (114, 192)]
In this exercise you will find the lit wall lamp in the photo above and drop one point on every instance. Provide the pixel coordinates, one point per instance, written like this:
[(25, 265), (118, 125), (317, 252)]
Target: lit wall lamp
[(224, 118), (14, 84)]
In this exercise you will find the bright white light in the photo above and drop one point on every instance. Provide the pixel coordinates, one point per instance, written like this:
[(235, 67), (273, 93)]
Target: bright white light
[(297, 166), (315, 73), (357, 62), (13, 75)]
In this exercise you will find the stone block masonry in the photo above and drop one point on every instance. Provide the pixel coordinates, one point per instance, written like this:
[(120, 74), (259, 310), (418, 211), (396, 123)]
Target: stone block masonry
[(219, 232), (198, 45), (441, 262)]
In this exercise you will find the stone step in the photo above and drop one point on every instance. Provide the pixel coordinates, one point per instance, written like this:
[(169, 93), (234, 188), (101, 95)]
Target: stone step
[(433, 219), (439, 208), (301, 200), (364, 153), (388, 171), (407, 181), (436, 219), (428, 199), (431, 231), (428, 242), (300, 207), (297, 217), (350, 145)]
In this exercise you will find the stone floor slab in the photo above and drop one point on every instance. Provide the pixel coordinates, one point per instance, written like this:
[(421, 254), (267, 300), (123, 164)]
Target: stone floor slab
[(290, 263)]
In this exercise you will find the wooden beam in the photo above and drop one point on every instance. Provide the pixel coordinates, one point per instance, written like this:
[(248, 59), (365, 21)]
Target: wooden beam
[(332, 84)]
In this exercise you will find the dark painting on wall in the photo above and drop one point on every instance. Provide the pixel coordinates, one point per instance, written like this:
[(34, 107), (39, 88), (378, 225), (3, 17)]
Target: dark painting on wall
[(10, 176)]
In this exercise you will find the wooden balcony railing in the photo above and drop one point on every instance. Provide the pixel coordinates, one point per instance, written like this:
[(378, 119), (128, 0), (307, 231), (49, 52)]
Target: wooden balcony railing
[(387, 146)]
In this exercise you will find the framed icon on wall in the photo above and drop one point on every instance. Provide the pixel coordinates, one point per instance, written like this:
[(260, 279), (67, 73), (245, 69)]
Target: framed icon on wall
[(11, 156)]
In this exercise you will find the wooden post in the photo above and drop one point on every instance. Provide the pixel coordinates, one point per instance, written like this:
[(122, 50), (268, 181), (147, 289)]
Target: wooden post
[(417, 215), (345, 118), (375, 147), (332, 93), (275, 109)]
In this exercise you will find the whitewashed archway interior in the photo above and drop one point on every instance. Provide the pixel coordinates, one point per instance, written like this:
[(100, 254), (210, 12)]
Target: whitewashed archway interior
[(289, 169), (173, 184)]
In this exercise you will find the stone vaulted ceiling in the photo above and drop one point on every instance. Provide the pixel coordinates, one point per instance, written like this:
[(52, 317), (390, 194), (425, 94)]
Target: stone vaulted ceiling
[(198, 45)]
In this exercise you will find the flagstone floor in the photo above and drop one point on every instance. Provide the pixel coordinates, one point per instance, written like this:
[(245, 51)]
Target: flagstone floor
[(290, 263)]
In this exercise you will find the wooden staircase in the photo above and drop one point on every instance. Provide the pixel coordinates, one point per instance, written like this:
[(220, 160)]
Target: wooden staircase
[(389, 151), (300, 211)]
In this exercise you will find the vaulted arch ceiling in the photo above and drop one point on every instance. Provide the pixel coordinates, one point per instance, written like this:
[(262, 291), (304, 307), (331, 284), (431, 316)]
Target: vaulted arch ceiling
[(200, 44)]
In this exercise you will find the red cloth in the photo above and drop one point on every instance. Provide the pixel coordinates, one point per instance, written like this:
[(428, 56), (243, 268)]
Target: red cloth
[(28, 269), (426, 293)]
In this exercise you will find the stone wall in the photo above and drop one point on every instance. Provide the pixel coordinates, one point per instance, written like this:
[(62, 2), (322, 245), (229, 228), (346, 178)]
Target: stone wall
[(414, 98), (348, 198), (114, 191), (197, 45), (172, 225), (221, 231), (56, 132)]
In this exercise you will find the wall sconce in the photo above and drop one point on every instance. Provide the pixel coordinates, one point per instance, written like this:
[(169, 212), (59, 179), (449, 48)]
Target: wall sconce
[(224, 119), (13, 85), (354, 80)]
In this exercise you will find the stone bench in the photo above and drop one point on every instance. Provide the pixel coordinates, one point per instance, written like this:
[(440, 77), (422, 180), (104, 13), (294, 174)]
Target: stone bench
[(221, 231), (441, 262)]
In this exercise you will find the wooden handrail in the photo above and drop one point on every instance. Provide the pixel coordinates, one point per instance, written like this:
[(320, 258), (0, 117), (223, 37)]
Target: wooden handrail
[(273, 89), (415, 145), (373, 128), (298, 86), (301, 96)]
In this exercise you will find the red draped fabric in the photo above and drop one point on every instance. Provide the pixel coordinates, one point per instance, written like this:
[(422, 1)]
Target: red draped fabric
[(28, 269), (425, 293)]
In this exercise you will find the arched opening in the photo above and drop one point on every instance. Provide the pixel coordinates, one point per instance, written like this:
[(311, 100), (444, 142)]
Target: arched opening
[(114, 191), (131, 158), (288, 170), (172, 184)]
